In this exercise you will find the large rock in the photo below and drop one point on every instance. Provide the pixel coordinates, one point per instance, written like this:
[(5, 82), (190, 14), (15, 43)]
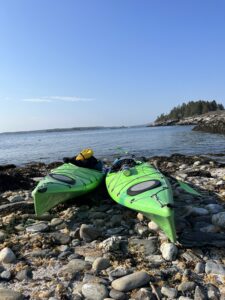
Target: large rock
[(8, 294), (130, 282), (7, 256), (94, 291)]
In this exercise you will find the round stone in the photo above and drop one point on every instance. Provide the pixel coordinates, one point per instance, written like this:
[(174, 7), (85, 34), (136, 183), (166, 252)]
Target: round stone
[(7, 256), (169, 251), (94, 291)]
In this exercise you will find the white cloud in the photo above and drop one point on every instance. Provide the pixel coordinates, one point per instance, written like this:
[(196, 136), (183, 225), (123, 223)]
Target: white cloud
[(58, 98)]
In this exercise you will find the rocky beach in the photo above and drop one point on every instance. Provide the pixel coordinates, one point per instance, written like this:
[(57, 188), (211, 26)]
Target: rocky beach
[(92, 248)]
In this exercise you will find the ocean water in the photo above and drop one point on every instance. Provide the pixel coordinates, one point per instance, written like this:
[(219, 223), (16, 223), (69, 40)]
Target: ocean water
[(21, 148)]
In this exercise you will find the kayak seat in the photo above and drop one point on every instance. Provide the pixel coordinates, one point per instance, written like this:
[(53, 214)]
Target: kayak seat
[(143, 187), (62, 178)]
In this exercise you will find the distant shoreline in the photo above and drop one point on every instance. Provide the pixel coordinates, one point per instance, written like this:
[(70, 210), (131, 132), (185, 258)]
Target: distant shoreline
[(64, 129)]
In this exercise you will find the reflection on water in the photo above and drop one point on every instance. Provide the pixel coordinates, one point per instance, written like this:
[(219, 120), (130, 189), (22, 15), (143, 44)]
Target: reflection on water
[(52, 146)]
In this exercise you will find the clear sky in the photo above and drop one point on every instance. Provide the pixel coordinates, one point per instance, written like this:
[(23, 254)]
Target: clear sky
[(107, 62)]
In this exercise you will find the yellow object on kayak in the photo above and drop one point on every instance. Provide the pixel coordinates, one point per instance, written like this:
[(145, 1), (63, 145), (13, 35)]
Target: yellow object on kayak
[(85, 154)]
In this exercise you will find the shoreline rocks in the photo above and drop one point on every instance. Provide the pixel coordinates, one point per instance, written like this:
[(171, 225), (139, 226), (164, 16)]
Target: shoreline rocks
[(96, 249)]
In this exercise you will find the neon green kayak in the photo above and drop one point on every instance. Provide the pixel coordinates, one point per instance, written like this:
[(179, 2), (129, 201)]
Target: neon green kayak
[(143, 188), (63, 183)]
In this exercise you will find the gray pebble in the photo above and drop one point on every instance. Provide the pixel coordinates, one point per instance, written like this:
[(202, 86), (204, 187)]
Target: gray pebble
[(38, 227), (187, 286), (89, 233), (100, 264), (25, 274), (169, 251), (132, 281), (169, 292), (6, 275), (214, 268), (7, 256), (94, 291), (117, 295)]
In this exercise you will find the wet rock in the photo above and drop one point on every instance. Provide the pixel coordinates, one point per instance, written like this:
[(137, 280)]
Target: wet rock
[(186, 286), (89, 233), (169, 251), (210, 228), (76, 265), (219, 219), (117, 295), (94, 291), (100, 264), (171, 293), (214, 208), (214, 268), (6, 275), (147, 247), (130, 282), (38, 227), (200, 268), (9, 294), (60, 238), (7, 256), (25, 274), (199, 211)]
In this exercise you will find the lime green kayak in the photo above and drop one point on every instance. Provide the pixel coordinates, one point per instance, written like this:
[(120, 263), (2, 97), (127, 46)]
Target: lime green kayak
[(143, 188), (63, 183)]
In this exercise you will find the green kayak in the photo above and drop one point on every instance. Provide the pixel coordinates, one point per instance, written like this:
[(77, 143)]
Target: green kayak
[(63, 183), (141, 187)]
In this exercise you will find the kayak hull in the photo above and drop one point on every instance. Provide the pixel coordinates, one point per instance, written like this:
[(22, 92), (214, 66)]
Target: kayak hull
[(64, 183), (145, 190)]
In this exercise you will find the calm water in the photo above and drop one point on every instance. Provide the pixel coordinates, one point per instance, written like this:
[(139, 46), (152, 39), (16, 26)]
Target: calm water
[(52, 146)]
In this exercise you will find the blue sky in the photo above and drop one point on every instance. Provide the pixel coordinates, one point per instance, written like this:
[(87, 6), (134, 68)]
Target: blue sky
[(107, 62)]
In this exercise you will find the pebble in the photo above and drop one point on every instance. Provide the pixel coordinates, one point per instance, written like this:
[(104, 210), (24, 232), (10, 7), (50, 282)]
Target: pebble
[(144, 294), (214, 268), (94, 291), (199, 294), (200, 268), (153, 226), (119, 272), (89, 233), (214, 208), (7, 256), (38, 227), (186, 286), (25, 274), (219, 219), (60, 238), (169, 251), (199, 211), (169, 292), (130, 282), (9, 294), (76, 265), (55, 222), (2, 236), (117, 295), (147, 247), (111, 244), (6, 275), (15, 198), (100, 264)]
